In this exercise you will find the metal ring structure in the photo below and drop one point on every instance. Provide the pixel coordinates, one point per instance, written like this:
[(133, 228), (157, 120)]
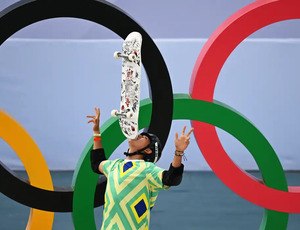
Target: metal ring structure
[(26, 12), (205, 73), (216, 114)]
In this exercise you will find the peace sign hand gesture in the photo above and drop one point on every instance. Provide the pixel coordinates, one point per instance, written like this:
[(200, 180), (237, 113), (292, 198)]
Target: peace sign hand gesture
[(182, 142)]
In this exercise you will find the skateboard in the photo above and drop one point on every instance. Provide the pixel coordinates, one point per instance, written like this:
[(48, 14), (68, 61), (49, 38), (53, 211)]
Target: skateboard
[(130, 85)]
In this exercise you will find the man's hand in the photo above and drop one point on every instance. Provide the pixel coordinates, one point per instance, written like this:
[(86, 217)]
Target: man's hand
[(182, 142), (95, 119)]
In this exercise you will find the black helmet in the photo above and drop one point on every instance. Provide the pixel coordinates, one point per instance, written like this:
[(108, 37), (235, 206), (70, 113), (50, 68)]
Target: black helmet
[(155, 146)]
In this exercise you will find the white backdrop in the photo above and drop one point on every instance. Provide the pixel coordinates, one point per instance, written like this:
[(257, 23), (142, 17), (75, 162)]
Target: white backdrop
[(49, 86)]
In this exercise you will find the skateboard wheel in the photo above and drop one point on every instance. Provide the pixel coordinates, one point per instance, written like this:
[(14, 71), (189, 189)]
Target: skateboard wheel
[(114, 113), (117, 55), (131, 57)]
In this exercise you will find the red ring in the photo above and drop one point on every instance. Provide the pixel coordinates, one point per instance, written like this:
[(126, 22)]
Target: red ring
[(205, 73)]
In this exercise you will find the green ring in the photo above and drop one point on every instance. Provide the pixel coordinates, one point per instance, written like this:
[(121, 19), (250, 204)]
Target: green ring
[(85, 181)]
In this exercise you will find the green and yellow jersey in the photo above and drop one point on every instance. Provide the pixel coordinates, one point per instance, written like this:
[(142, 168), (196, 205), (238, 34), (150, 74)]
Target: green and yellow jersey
[(131, 191)]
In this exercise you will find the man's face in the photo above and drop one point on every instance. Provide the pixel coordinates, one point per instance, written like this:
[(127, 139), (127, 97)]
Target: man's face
[(141, 142)]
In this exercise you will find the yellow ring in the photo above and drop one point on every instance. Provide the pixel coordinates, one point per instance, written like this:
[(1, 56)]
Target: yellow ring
[(35, 165)]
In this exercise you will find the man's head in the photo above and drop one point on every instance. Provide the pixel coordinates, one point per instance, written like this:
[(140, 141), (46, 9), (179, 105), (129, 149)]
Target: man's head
[(146, 144)]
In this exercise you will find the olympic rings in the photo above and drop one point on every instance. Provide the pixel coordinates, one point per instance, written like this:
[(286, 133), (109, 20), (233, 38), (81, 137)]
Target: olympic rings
[(26, 12), (36, 169), (184, 108), (208, 65), (216, 50)]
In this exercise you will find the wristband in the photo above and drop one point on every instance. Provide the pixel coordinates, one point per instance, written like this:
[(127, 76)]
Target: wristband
[(97, 139), (97, 135), (181, 154)]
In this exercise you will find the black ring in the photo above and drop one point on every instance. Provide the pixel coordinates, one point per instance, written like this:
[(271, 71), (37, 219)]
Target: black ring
[(14, 187), (26, 12)]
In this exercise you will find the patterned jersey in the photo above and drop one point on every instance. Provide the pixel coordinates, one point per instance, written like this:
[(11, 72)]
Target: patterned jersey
[(131, 190)]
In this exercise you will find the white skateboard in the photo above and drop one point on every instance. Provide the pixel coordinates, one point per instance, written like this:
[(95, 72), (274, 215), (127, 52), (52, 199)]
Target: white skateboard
[(130, 85)]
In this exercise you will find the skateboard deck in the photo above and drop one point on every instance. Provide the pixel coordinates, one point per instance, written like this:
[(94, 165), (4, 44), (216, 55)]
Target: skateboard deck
[(130, 85)]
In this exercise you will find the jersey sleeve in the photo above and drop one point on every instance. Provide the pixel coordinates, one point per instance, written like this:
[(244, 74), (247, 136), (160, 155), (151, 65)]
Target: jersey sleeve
[(154, 177), (153, 197), (106, 165)]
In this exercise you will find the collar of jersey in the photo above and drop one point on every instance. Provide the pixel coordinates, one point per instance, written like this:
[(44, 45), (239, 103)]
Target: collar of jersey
[(132, 160)]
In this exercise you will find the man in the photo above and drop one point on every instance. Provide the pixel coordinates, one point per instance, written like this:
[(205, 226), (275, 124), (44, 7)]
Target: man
[(133, 184)]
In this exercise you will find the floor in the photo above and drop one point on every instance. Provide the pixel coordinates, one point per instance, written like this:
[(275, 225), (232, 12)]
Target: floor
[(202, 201)]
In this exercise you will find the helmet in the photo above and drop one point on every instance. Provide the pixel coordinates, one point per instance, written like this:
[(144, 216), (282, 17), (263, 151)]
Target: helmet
[(155, 146)]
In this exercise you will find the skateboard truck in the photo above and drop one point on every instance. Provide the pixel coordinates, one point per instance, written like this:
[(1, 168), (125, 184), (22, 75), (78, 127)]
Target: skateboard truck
[(116, 113), (130, 57)]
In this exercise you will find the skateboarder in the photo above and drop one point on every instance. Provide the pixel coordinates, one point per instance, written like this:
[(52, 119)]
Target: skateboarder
[(133, 184)]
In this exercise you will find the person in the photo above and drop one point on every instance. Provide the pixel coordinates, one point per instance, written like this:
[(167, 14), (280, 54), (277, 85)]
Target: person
[(133, 183)]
